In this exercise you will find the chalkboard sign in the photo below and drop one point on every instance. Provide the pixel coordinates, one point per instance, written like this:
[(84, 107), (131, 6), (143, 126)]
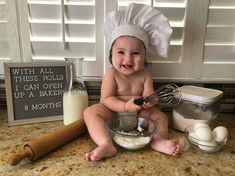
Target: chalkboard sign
[(35, 91)]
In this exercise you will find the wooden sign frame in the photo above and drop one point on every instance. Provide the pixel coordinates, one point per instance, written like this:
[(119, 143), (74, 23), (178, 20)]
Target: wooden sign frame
[(35, 91)]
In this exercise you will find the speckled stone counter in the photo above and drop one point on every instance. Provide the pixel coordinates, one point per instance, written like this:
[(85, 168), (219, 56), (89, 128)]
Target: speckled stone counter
[(69, 159)]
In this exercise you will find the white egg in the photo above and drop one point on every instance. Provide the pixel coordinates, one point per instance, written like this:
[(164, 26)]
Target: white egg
[(209, 147), (220, 133), (200, 124), (203, 133)]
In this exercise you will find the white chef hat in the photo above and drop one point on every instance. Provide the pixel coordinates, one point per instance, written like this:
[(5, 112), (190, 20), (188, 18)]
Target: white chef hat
[(143, 22)]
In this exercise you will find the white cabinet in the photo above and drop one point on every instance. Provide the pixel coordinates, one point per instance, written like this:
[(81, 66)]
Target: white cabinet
[(202, 46)]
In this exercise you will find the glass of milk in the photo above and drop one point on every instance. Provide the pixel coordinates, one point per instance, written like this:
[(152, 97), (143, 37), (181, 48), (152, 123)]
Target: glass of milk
[(75, 98)]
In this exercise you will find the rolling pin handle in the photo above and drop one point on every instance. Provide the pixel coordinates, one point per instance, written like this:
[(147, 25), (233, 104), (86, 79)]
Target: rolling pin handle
[(17, 158)]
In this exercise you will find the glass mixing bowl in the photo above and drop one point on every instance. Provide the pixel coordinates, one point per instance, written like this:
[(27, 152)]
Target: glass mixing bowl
[(131, 131), (205, 146)]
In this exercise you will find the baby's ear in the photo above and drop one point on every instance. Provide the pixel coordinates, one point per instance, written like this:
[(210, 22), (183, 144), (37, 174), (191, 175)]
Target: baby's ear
[(110, 56)]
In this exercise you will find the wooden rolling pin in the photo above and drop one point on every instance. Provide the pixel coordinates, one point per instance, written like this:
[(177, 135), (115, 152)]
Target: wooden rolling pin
[(44, 144)]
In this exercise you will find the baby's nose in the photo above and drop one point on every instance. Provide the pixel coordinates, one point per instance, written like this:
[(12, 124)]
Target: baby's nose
[(128, 57)]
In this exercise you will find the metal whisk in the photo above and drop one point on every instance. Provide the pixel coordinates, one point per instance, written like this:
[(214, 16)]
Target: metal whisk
[(167, 94)]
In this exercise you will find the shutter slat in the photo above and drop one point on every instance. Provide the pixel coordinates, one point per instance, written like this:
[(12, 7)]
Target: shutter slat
[(44, 1), (219, 54), (221, 17), (85, 13), (80, 2), (220, 35), (124, 3), (54, 49), (222, 3), (80, 30), (45, 11), (170, 3), (173, 13), (173, 57), (45, 30)]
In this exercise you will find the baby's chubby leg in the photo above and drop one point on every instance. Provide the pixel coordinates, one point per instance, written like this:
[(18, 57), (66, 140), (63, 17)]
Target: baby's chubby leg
[(160, 141), (95, 117)]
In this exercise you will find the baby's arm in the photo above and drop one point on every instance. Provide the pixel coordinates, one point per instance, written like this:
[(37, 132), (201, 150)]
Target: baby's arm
[(109, 95), (148, 89)]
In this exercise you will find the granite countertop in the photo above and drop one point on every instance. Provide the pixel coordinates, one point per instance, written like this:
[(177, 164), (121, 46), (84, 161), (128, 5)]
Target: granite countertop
[(69, 159)]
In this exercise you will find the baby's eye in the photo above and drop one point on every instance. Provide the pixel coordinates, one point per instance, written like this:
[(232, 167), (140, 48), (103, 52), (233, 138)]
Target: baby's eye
[(121, 52), (136, 53)]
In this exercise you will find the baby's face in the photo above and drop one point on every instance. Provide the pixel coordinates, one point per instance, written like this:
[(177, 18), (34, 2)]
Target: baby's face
[(128, 55)]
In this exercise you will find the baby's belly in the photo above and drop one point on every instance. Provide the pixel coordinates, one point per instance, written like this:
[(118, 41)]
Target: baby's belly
[(125, 97)]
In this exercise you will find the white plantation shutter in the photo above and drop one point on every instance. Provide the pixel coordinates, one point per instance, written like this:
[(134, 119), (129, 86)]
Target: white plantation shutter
[(9, 43), (64, 29), (219, 44), (202, 45)]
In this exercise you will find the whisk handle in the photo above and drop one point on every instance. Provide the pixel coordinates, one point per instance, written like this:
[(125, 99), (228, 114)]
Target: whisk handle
[(139, 101)]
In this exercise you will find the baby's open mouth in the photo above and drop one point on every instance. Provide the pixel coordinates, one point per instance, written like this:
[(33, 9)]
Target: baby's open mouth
[(127, 66)]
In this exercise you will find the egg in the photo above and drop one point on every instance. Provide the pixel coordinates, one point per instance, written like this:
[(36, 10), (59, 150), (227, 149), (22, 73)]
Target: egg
[(220, 133), (200, 124), (203, 132), (209, 146)]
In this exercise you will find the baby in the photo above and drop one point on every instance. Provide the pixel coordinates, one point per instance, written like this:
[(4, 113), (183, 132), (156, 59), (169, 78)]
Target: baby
[(127, 80)]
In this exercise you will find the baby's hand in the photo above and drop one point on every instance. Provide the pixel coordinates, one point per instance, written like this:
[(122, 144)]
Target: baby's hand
[(146, 105), (151, 102), (130, 106)]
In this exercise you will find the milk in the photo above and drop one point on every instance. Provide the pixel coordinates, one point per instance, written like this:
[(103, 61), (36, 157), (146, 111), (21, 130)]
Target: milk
[(74, 103)]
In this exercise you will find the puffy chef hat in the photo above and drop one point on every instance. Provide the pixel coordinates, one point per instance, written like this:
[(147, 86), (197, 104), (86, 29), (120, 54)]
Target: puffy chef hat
[(143, 22)]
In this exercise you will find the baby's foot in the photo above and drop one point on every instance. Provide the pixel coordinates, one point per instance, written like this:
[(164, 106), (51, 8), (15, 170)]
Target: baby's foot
[(170, 147), (102, 151)]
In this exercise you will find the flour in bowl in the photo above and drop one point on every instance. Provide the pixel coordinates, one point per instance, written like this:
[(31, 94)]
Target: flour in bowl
[(132, 143)]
